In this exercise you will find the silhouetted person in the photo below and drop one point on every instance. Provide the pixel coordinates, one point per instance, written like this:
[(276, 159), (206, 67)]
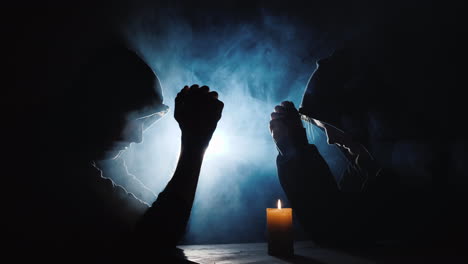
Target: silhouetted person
[(67, 206), (404, 182)]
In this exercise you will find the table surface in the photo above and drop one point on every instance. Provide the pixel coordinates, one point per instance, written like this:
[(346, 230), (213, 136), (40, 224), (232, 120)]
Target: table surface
[(308, 252), (305, 252)]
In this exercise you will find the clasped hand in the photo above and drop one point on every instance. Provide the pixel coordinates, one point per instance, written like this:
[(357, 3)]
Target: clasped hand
[(286, 129), (197, 110)]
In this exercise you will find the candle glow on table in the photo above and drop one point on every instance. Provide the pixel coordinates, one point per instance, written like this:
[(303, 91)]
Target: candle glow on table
[(280, 231)]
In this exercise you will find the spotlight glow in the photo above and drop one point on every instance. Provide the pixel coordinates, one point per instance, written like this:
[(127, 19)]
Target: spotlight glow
[(219, 145)]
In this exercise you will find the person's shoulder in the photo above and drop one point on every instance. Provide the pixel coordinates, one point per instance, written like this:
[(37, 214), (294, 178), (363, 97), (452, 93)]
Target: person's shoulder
[(109, 190)]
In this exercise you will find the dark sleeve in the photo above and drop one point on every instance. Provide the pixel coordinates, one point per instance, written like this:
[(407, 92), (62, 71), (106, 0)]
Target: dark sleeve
[(113, 210), (164, 223), (328, 215), (160, 225)]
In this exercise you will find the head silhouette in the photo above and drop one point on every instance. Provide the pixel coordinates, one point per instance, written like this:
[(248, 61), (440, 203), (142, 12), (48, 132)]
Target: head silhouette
[(336, 103), (116, 97), (375, 91)]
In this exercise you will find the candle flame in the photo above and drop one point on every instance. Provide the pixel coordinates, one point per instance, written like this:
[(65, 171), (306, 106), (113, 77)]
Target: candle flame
[(279, 204)]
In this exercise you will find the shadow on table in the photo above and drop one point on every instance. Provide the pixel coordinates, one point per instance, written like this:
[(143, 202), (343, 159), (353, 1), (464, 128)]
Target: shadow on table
[(298, 259)]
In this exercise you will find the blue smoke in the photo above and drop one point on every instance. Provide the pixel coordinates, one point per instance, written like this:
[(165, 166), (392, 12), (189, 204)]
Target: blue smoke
[(253, 65)]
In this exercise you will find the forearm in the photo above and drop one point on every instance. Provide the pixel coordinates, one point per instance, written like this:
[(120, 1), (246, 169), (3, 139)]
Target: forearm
[(197, 110), (165, 222), (328, 215), (185, 179), (306, 175), (312, 191)]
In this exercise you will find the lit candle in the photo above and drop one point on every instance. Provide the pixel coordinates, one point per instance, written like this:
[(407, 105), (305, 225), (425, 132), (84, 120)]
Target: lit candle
[(280, 231)]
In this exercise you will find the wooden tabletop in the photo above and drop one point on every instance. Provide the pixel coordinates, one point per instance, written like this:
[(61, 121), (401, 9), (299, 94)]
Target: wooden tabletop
[(305, 252)]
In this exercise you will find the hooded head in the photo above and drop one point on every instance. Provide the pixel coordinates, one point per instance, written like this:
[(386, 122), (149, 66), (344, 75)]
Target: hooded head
[(376, 91), (340, 93), (116, 97)]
